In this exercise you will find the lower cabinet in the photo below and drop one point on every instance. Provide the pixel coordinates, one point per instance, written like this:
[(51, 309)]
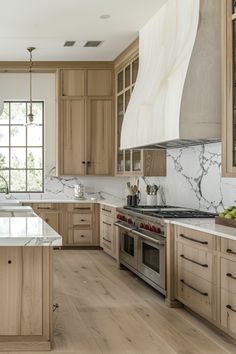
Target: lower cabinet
[(77, 223), (108, 232), (26, 298), (204, 276)]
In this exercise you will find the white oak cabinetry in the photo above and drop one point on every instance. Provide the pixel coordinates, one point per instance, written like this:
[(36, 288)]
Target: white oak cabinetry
[(86, 122), (108, 232), (138, 161), (77, 223), (203, 275), (229, 88), (26, 298)]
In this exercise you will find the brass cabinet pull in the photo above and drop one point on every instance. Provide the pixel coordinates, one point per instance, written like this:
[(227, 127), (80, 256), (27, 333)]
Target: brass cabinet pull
[(230, 276), (106, 223), (230, 308), (192, 239), (80, 208), (82, 236), (109, 211), (192, 261), (191, 287), (230, 251), (44, 208), (105, 239)]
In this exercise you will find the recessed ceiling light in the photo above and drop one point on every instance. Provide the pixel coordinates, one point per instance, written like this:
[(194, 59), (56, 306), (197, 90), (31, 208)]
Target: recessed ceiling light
[(105, 16)]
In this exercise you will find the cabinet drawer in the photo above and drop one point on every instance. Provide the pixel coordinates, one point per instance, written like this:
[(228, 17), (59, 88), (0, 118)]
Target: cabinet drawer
[(81, 219), (82, 237), (108, 211), (196, 238), (197, 293), (228, 275), (80, 207), (196, 261), (228, 311), (228, 247)]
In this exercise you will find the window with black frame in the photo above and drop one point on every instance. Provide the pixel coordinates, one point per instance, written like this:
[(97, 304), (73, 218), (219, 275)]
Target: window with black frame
[(21, 147)]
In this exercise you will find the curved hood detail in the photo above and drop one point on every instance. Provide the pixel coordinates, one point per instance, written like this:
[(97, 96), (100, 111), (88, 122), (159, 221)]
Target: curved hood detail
[(175, 46)]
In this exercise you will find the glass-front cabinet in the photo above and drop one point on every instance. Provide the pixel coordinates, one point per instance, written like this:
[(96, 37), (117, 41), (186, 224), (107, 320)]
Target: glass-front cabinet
[(128, 161), (136, 162), (229, 88)]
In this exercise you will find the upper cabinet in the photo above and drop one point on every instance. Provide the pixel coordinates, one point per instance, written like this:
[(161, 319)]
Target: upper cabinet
[(135, 162), (86, 122), (73, 83), (229, 88)]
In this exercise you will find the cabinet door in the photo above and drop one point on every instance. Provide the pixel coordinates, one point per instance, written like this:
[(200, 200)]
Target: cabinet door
[(21, 287), (73, 83), (52, 219), (99, 83), (99, 137), (73, 140)]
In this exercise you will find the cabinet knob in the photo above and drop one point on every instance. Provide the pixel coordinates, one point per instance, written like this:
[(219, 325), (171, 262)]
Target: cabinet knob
[(81, 235), (46, 220), (82, 220), (9, 262), (89, 162), (83, 162)]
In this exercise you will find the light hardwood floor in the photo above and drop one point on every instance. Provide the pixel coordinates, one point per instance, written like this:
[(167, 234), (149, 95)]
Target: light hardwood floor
[(107, 310)]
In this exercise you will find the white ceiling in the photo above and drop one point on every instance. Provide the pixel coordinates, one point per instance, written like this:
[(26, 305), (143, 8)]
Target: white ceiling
[(47, 24)]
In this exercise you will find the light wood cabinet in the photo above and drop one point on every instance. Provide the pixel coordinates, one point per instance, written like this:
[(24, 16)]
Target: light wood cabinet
[(229, 88), (26, 298), (72, 156), (99, 143), (201, 274), (100, 82), (136, 162), (108, 232), (73, 82), (86, 123)]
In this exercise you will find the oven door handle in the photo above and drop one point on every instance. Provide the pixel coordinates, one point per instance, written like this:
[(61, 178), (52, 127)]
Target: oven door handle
[(154, 240), (119, 224)]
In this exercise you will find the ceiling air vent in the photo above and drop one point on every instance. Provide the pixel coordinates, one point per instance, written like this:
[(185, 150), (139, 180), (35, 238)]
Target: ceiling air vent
[(92, 44), (69, 43)]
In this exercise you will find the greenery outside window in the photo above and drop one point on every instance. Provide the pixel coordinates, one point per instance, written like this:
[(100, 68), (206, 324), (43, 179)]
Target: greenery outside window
[(22, 147)]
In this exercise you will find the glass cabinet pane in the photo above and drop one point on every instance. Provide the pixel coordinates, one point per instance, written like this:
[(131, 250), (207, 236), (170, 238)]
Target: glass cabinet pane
[(120, 82), (136, 160), (127, 98), (127, 160), (135, 65), (233, 6), (120, 162), (127, 76), (120, 115)]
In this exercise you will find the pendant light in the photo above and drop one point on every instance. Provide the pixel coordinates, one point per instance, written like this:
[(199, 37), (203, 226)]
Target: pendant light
[(30, 115)]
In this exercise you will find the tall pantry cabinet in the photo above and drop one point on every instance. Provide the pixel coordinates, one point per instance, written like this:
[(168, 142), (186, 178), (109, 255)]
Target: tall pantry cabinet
[(86, 121)]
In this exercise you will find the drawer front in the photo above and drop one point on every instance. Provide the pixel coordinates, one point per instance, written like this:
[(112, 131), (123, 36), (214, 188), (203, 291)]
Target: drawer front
[(228, 275), (228, 247), (82, 237), (108, 211), (81, 219), (228, 311), (80, 207), (43, 207), (107, 231), (197, 293), (196, 238), (196, 261)]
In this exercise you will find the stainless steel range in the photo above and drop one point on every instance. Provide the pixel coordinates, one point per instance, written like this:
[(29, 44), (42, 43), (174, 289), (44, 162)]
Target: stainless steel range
[(142, 238)]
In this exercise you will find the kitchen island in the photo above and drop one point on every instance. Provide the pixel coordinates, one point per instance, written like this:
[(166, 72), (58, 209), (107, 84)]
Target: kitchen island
[(26, 288)]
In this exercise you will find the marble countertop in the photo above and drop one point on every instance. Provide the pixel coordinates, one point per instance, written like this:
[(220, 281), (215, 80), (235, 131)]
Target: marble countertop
[(116, 203), (27, 231), (206, 225)]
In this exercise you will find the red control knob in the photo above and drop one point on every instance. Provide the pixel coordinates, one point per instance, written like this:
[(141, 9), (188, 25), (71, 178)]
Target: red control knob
[(124, 218), (141, 225), (130, 221), (118, 216), (147, 227), (158, 230)]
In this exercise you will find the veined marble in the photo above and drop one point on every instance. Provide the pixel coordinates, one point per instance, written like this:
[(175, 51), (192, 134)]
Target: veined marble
[(27, 231), (206, 225)]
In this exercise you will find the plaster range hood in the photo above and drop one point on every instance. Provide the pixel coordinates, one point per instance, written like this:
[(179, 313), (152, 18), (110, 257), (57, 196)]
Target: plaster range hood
[(177, 98)]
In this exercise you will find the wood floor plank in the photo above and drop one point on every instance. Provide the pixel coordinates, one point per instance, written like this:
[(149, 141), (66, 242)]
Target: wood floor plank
[(104, 310)]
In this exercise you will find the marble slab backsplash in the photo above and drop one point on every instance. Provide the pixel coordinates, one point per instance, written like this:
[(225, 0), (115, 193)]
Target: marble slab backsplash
[(194, 179)]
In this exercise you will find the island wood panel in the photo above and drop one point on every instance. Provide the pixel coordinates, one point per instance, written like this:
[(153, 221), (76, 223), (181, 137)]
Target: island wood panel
[(73, 137), (99, 137), (21, 288)]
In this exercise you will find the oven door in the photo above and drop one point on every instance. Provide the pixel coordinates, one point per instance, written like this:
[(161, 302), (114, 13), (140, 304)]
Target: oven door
[(128, 248), (151, 260)]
